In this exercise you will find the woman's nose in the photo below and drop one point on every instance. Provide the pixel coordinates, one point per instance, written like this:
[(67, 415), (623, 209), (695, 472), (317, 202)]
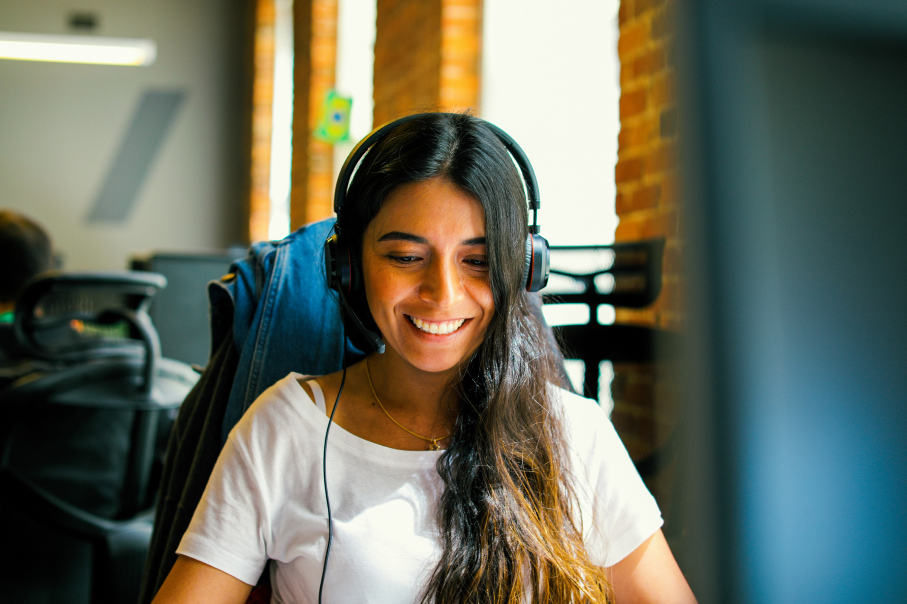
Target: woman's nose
[(442, 283)]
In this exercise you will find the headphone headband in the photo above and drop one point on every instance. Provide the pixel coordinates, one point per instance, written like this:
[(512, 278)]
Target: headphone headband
[(514, 149)]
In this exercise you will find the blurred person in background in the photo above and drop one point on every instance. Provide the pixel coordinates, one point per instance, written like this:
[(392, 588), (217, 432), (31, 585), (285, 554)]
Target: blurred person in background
[(25, 251)]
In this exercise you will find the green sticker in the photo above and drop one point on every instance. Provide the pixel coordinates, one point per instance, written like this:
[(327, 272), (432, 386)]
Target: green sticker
[(334, 119)]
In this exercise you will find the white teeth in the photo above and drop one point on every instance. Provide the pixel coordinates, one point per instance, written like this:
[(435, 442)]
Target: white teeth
[(442, 328)]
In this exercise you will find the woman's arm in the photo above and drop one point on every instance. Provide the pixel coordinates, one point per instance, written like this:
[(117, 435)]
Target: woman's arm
[(194, 582), (650, 574)]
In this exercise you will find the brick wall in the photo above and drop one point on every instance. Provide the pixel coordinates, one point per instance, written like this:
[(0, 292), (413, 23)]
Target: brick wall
[(645, 396), (461, 54), (427, 56), (646, 168), (315, 33)]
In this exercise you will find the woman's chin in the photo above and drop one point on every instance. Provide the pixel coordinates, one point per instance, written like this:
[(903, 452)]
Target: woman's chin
[(427, 360), (432, 363)]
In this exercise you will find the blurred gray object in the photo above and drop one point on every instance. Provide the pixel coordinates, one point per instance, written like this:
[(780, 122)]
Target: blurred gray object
[(795, 150)]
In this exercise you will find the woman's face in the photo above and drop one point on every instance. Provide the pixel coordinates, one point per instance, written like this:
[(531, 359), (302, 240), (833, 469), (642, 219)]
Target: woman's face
[(425, 270)]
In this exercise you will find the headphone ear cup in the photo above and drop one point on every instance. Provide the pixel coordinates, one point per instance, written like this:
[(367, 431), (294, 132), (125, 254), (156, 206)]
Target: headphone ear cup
[(527, 265), (535, 273)]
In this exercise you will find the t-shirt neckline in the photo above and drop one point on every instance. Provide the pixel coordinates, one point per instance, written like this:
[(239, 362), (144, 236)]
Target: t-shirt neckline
[(341, 436)]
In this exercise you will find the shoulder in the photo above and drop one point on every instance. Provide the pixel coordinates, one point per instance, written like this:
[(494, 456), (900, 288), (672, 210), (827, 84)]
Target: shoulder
[(281, 427), (574, 404), (280, 409), (584, 420), (593, 442)]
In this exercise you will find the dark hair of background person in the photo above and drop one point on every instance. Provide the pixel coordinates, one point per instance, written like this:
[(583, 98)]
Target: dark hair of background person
[(25, 251), (508, 503)]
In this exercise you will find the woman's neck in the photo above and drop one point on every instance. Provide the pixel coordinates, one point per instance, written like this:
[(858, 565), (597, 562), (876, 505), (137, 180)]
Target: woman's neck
[(399, 385)]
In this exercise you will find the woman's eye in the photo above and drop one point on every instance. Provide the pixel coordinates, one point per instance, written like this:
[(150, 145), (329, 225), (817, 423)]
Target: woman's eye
[(403, 259), (477, 262)]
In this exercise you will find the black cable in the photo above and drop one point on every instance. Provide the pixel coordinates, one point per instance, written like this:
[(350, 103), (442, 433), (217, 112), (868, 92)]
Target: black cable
[(327, 499)]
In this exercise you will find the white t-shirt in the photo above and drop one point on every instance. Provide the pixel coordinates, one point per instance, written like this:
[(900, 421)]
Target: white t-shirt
[(265, 500)]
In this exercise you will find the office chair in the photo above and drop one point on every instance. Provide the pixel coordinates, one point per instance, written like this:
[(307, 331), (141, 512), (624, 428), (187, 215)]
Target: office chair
[(81, 437)]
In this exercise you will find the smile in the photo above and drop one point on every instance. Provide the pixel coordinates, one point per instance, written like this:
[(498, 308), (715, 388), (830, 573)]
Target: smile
[(437, 328)]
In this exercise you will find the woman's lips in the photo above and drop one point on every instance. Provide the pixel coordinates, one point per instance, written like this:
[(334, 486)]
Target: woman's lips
[(440, 328)]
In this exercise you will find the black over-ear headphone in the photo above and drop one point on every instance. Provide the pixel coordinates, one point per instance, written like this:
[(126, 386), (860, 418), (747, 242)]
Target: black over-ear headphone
[(342, 270)]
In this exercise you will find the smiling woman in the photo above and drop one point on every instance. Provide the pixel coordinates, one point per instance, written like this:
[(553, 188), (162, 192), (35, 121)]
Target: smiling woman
[(525, 493)]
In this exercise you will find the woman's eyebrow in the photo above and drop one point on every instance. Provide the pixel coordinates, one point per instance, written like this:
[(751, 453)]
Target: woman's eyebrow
[(400, 236)]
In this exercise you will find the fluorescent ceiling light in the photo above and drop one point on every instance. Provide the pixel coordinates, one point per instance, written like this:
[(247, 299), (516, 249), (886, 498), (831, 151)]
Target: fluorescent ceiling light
[(77, 49)]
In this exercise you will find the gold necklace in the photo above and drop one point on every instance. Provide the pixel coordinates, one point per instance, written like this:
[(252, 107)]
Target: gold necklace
[(432, 442)]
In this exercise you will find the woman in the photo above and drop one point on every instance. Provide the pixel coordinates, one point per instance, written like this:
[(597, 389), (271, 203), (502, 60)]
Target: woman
[(530, 497)]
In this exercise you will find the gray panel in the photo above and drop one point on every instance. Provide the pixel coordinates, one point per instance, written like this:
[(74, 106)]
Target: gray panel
[(180, 311)]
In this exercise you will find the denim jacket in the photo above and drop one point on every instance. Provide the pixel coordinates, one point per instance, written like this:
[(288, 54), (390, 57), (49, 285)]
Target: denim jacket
[(284, 316)]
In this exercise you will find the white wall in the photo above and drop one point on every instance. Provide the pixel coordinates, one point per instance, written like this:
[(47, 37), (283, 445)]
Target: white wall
[(61, 127), (550, 77), (355, 70)]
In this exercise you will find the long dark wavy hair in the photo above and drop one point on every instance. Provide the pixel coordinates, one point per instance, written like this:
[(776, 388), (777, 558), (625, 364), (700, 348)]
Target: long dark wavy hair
[(507, 516)]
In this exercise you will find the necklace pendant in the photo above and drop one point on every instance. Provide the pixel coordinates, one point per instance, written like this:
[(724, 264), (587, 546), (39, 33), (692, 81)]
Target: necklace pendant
[(433, 445)]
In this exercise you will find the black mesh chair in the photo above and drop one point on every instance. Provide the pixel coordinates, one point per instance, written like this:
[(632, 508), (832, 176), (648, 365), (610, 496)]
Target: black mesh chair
[(84, 418)]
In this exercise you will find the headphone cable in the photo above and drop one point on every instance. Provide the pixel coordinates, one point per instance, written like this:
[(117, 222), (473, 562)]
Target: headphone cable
[(327, 499)]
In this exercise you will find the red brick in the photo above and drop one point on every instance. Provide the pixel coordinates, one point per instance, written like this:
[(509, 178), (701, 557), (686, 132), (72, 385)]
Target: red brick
[(669, 190), (671, 262), (663, 90), (636, 432), (663, 224), (628, 170), (643, 6), (637, 135), (661, 159), (624, 12), (646, 197), (633, 103), (649, 63), (629, 229), (637, 316), (647, 203), (626, 76), (632, 39), (662, 24), (667, 299), (619, 202)]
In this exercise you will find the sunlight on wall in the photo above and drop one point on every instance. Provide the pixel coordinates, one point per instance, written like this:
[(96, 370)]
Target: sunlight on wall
[(355, 66), (282, 121), (550, 78)]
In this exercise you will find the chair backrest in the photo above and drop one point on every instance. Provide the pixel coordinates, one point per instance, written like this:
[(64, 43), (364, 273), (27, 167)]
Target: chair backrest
[(622, 274), (71, 317), (595, 279), (94, 331), (83, 432)]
